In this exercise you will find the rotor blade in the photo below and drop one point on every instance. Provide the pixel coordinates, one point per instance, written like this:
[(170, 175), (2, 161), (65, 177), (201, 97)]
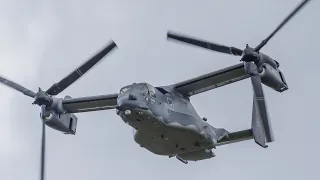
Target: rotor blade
[(43, 145), (205, 44), (42, 111), (76, 74), (259, 95), (17, 87), (294, 12)]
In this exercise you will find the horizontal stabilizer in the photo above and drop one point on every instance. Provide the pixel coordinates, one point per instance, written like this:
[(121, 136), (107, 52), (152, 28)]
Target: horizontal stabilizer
[(235, 137), (257, 131)]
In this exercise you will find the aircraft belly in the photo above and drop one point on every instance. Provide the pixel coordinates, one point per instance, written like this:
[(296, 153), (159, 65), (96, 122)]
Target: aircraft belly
[(171, 142), (197, 155), (161, 137)]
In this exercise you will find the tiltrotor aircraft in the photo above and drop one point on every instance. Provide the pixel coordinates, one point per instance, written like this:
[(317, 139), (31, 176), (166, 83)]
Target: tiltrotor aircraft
[(163, 117)]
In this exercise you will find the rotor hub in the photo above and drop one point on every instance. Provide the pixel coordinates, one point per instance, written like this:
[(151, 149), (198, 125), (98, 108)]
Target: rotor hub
[(42, 98), (249, 55)]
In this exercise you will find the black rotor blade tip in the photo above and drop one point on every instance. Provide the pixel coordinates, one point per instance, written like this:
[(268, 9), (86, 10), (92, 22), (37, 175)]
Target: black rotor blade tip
[(206, 44), (284, 22), (57, 88)]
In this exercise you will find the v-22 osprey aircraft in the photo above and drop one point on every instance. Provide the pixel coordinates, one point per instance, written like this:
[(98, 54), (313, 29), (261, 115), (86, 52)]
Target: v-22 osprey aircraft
[(165, 121)]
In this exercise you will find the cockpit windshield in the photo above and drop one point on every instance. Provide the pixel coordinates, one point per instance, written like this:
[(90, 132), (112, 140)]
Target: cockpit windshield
[(124, 89), (140, 87)]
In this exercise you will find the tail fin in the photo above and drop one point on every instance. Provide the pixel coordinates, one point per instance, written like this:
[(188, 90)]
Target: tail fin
[(257, 131)]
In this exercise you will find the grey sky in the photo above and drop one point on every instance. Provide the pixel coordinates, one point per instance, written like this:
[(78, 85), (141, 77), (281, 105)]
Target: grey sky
[(42, 41)]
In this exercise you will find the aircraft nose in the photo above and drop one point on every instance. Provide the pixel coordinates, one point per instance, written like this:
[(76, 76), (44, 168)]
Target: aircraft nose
[(129, 102)]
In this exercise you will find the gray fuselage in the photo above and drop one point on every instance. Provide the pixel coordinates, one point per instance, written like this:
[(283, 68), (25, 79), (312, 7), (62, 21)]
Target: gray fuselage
[(166, 123)]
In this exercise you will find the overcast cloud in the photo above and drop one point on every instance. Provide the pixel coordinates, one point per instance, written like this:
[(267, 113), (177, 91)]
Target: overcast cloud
[(42, 41)]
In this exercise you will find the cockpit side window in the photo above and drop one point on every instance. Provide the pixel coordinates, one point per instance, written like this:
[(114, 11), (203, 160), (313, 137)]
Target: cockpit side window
[(152, 91)]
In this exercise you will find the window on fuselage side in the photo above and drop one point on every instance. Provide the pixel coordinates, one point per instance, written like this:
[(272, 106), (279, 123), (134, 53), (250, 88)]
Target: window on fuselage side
[(152, 91), (170, 101)]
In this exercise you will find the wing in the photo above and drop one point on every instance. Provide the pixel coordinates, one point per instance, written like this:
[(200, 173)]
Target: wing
[(212, 80), (91, 103)]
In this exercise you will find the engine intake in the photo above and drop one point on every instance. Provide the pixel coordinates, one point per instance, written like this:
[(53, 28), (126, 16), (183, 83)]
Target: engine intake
[(66, 123)]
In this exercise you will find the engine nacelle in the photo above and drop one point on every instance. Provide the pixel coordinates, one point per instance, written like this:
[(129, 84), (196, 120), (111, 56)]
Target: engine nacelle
[(66, 123), (272, 77), (264, 59)]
